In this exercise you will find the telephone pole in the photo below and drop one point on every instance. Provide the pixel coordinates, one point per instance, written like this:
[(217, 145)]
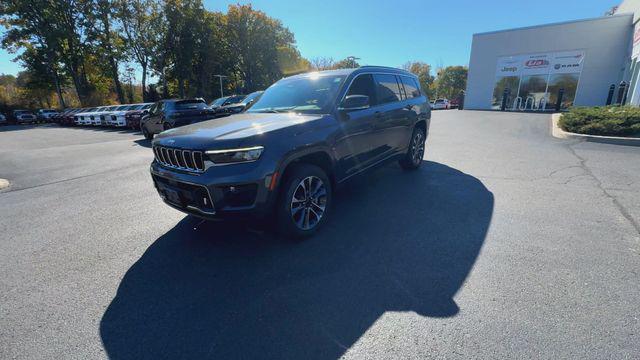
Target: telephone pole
[(221, 77)]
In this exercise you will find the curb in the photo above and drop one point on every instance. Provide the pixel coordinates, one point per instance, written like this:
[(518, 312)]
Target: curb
[(4, 184), (557, 132)]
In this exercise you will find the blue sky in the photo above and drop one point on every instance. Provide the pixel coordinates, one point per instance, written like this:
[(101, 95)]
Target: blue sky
[(390, 33)]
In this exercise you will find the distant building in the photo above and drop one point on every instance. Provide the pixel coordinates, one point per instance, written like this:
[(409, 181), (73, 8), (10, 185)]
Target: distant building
[(570, 63)]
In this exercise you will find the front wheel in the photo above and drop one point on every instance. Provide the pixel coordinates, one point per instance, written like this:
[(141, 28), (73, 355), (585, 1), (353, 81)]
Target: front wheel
[(415, 153), (147, 135), (304, 201)]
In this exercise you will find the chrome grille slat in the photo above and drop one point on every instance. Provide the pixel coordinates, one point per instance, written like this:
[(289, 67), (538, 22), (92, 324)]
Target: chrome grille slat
[(180, 159), (172, 157), (188, 160)]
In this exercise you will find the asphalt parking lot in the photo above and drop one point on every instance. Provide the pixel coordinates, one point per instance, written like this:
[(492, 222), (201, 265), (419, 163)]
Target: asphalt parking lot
[(507, 243)]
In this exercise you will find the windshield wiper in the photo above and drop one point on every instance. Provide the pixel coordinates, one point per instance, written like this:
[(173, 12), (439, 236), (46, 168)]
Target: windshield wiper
[(274, 110)]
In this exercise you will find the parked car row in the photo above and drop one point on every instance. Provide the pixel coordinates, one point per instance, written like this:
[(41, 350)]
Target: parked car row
[(114, 115), (27, 116), (19, 117), (167, 114)]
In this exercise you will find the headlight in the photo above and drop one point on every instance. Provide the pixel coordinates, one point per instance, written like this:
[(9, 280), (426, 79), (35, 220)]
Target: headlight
[(230, 156)]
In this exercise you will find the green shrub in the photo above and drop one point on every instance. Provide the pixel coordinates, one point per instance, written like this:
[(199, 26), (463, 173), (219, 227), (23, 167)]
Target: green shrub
[(609, 120)]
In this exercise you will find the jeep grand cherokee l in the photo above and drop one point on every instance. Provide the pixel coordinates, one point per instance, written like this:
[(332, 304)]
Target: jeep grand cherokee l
[(284, 155)]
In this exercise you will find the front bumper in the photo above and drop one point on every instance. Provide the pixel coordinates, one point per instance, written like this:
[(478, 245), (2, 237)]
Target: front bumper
[(221, 191)]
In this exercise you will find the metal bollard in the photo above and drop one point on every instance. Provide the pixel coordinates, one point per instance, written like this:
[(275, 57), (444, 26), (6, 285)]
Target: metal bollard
[(612, 90), (559, 101)]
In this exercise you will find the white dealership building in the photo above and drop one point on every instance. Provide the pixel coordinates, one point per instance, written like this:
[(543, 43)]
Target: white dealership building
[(581, 63)]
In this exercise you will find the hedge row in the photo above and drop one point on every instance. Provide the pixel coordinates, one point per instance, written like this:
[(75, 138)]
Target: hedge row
[(610, 120)]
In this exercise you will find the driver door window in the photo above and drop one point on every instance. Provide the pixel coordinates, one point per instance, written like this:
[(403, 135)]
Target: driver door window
[(364, 85)]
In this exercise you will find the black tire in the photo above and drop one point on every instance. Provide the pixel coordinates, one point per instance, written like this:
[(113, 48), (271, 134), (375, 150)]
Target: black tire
[(298, 219), (147, 135), (415, 153)]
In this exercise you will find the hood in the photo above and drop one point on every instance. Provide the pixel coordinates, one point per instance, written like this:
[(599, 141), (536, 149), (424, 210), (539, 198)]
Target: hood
[(231, 129)]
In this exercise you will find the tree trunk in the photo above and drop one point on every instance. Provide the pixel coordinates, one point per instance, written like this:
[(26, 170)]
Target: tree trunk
[(116, 80), (59, 90), (165, 88), (181, 87), (112, 61), (144, 83)]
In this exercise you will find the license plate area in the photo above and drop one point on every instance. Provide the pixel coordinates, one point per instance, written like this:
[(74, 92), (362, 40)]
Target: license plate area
[(184, 195), (170, 194)]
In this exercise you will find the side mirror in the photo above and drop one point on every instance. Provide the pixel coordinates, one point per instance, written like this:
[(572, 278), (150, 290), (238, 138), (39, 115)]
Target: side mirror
[(354, 102)]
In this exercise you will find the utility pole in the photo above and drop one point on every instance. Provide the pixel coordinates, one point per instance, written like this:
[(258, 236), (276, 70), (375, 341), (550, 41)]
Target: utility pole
[(352, 60), (221, 77)]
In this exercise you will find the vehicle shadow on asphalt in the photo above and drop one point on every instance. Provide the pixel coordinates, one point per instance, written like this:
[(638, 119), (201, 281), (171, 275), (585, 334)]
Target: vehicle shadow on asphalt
[(143, 142), (398, 241)]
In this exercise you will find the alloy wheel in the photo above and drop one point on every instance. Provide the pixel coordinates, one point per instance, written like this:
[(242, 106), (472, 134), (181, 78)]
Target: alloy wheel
[(417, 148), (308, 202)]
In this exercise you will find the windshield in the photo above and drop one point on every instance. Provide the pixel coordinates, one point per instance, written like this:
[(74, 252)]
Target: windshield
[(312, 95), (190, 105), (23, 112), (219, 101), (234, 99), (251, 97)]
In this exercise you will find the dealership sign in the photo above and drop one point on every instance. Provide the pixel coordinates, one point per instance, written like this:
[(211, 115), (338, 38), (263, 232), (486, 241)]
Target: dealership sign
[(541, 63)]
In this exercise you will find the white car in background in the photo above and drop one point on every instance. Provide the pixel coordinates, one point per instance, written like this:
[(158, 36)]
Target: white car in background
[(100, 117), (117, 116), (441, 104), (83, 117)]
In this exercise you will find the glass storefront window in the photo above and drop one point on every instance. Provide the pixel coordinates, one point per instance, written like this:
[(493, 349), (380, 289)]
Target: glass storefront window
[(502, 83), (532, 90), (633, 97), (568, 82)]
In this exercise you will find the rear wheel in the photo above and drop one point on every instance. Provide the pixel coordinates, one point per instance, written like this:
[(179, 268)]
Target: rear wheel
[(415, 153), (304, 202)]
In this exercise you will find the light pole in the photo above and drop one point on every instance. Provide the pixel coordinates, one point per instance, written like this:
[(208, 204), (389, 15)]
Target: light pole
[(352, 60), (221, 77)]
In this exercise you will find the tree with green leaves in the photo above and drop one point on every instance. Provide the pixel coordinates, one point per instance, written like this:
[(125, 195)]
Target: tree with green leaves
[(347, 63), (32, 28), (100, 25), (254, 39), (423, 71), (451, 81), (138, 19)]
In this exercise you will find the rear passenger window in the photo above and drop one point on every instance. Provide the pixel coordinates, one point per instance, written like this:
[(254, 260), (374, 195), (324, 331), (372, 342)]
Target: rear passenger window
[(410, 86), (364, 85), (387, 88)]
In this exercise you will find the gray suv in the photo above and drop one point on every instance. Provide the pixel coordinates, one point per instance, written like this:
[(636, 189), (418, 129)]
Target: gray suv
[(284, 156)]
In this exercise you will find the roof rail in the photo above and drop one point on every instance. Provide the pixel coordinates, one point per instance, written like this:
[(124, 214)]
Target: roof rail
[(380, 67)]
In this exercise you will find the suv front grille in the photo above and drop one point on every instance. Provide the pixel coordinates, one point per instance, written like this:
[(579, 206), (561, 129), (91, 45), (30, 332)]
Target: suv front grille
[(179, 159)]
